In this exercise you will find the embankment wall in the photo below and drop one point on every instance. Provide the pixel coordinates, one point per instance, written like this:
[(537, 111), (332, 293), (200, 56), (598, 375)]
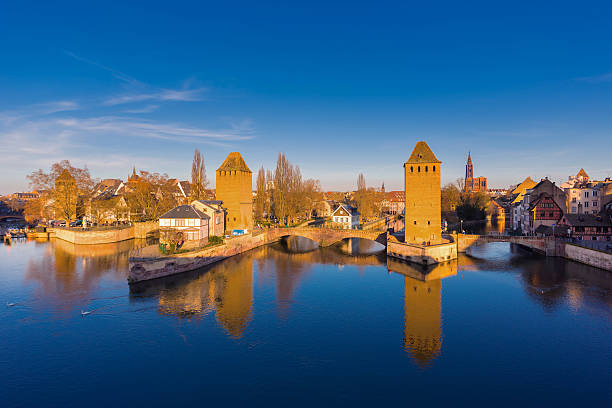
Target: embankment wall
[(588, 256), (93, 237), (147, 268)]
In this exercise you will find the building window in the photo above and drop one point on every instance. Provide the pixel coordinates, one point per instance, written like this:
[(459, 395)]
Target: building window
[(586, 204), (411, 169), (426, 168), (428, 222), (594, 193), (419, 169), (218, 220), (573, 199), (434, 169), (586, 194), (179, 223), (594, 203), (414, 222)]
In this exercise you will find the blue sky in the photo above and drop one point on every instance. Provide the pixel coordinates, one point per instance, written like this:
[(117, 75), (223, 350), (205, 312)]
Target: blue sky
[(341, 88)]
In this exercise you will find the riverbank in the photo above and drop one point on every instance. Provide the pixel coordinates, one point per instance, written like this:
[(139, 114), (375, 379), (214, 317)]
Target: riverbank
[(143, 267), (96, 236), (151, 265)]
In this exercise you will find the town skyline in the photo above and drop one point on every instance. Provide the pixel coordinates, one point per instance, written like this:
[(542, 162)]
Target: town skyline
[(389, 186), (339, 92)]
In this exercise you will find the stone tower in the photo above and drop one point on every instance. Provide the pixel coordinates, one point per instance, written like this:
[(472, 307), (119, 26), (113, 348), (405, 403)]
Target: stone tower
[(423, 197), (234, 187)]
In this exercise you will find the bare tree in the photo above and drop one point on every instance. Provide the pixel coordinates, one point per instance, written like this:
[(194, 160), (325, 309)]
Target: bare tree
[(361, 184), (460, 183), (198, 177), (151, 196), (69, 200), (261, 196), (282, 181)]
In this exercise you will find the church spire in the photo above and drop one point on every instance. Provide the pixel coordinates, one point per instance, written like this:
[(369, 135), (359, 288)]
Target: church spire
[(469, 157)]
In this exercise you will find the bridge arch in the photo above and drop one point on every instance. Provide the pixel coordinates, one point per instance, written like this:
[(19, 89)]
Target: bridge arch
[(326, 236)]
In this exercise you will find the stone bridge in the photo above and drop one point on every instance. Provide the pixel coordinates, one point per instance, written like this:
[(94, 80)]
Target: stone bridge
[(544, 245), (326, 236)]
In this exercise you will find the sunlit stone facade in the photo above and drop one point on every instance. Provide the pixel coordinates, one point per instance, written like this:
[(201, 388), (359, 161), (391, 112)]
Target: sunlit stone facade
[(234, 188)]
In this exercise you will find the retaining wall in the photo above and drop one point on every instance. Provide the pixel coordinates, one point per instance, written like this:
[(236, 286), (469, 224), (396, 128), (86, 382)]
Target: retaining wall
[(93, 237), (588, 256), (142, 269), (427, 255)]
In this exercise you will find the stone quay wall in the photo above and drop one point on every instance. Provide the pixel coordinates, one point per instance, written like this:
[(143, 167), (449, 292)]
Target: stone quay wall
[(588, 256), (94, 237), (146, 268), (153, 267), (426, 255)]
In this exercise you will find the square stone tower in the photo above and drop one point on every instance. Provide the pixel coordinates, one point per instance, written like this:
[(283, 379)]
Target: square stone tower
[(234, 187), (423, 197)]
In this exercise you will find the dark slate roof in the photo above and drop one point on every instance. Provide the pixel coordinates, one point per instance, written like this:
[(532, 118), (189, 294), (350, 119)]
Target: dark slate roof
[(587, 220), (211, 202), (185, 211), (350, 209), (234, 162), (544, 229), (422, 154)]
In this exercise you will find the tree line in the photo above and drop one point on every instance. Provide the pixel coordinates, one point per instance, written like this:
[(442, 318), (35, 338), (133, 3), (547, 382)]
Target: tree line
[(144, 198), (458, 204), (283, 196)]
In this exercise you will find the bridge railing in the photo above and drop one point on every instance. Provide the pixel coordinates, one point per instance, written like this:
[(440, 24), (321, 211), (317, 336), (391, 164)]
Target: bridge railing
[(605, 246)]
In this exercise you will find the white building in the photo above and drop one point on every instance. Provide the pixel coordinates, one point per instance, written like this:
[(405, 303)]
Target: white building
[(190, 223), (214, 209), (584, 198), (346, 216)]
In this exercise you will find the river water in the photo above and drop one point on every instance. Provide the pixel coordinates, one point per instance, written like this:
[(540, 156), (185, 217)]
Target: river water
[(281, 325)]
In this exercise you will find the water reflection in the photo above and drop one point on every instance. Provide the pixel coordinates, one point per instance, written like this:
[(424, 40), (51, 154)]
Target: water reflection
[(550, 282), (422, 307), (227, 290), (359, 246), (67, 273)]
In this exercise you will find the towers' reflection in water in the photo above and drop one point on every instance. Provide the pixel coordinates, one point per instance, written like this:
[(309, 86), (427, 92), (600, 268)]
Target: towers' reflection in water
[(422, 307), (227, 290)]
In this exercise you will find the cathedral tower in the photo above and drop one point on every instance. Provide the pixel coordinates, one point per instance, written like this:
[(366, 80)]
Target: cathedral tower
[(423, 197), (469, 172)]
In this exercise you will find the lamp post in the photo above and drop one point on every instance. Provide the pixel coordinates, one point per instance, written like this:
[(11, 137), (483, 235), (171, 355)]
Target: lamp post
[(461, 225)]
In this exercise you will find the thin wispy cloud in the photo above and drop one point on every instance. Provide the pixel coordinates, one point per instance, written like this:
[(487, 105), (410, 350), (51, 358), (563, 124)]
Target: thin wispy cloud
[(143, 92), (597, 78), (181, 95), (115, 73), (145, 109), (35, 110), (141, 128)]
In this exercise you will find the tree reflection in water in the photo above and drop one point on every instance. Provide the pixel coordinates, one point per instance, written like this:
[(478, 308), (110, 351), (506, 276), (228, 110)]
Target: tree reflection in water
[(66, 276), (68, 273)]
